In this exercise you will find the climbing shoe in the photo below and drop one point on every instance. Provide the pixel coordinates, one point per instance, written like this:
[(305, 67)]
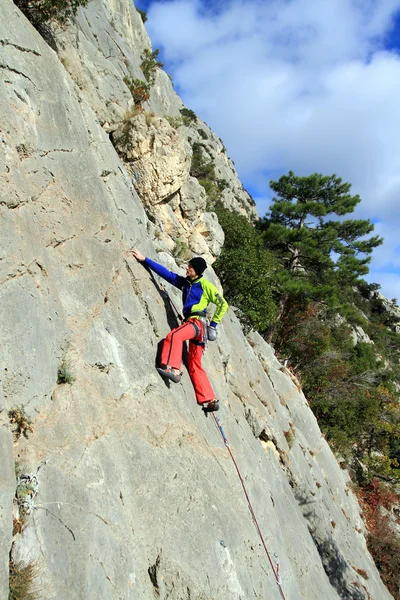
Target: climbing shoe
[(211, 406), (168, 373)]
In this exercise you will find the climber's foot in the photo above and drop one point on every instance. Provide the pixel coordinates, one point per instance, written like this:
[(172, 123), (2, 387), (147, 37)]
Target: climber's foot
[(211, 406), (169, 373)]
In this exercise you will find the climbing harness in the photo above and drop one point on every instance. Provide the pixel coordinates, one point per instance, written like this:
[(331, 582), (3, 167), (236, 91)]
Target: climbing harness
[(276, 569)]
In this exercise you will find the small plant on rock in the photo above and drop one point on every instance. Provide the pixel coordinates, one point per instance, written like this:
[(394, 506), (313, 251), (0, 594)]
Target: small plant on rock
[(202, 134), (64, 374), (188, 116), (290, 435), (175, 122), (131, 114), (150, 64), (27, 489), (143, 14), (22, 423), (22, 578), (201, 168), (222, 184), (139, 89)]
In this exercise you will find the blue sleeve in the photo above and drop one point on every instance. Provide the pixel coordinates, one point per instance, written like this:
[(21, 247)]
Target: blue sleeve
[(176, 280)]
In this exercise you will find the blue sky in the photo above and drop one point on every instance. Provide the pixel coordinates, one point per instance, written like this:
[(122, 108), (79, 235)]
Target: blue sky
[(304, 85)]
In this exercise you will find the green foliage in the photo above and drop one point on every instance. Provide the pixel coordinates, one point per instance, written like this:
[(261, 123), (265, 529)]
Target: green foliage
[(204, 170), (143, 14), (202, 134), (188, 116), (321, 257), (26, 490), (22, 579), (201, 168), (20, 420), (298, 273), (294, 274), (297, 228), (350, 389), (175, 122), (150, 64), (64, 374), (139, 89), (222, 184), (247, 271), (213, 192), (44, 11)]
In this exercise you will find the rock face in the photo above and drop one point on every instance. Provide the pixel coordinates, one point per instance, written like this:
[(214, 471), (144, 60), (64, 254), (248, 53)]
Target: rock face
[(159, 159), (390, 309), (135, 494), (358, 335)]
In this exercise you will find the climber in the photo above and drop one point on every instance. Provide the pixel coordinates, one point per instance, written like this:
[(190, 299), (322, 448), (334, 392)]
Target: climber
[(197, 294)]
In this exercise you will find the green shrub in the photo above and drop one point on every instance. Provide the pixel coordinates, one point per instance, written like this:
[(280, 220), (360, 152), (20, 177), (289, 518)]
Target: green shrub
[(143, 14), (64, 374), (204, 171), (201, 168), (246, 270), (188, 116), (212, 191), (175, 122), (150, 64), (222, 184), (202, 134), (43, 11), (139, 89)]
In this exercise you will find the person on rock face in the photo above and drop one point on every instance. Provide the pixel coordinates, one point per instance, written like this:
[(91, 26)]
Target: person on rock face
[(197, 294)]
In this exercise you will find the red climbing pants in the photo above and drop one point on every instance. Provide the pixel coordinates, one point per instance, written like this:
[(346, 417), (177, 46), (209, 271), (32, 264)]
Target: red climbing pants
[(171, 355)]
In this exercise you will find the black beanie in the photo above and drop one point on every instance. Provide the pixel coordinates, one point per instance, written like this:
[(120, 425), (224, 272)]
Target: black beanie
[(198, 264)]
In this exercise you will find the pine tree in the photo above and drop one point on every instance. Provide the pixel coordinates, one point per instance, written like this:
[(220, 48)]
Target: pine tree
[(318, 253)]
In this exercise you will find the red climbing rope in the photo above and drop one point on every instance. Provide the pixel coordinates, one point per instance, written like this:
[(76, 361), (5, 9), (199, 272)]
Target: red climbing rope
[(275, 571)]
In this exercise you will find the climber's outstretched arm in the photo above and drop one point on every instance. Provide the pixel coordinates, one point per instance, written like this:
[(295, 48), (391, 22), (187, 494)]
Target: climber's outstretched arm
[(176, 280)]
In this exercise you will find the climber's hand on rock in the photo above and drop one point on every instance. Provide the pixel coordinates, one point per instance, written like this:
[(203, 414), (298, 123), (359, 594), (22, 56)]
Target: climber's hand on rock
[(138, 255)]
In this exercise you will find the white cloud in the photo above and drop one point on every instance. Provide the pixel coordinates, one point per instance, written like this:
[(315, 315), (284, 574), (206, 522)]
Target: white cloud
[(303, 85)]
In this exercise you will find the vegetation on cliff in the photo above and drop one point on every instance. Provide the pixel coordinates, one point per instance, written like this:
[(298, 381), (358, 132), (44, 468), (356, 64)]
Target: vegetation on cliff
[(296, 277), (43, 11)]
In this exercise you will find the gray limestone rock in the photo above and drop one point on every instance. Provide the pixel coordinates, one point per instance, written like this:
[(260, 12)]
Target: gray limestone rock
[(391, 309), (358, 335), (193, 199), (211, 231), (137, 495)]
